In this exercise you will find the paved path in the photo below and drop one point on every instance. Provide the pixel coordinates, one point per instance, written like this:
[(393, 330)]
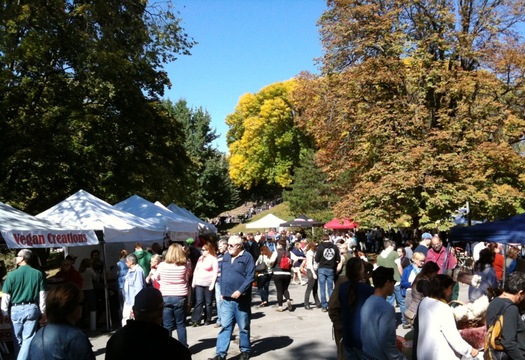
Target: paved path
[(300, 334)]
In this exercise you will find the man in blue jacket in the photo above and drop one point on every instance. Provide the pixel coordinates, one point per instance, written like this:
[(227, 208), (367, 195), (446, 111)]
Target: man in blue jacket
[(237, 275)]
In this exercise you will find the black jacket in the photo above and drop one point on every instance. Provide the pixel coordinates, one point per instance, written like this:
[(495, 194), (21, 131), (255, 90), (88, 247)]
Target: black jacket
[(327, 255), (142, 340)]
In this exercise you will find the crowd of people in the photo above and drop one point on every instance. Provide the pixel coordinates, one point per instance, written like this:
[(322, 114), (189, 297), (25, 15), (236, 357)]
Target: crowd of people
[(161, 291)]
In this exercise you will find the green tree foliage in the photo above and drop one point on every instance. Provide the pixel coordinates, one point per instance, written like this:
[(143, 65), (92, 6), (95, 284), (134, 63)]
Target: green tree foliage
[(263, 141), (417, 106), (80, 84), (209, 188), (310, 193)]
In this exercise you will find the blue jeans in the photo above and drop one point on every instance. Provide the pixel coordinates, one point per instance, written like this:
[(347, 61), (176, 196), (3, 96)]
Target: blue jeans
[(25, 324), (397, 296), (325, 277), (234, 312), (218, 300), (203, 298), (174, 317)]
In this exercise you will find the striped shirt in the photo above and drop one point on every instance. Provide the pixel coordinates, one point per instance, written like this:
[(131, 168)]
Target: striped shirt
[(173, 279)]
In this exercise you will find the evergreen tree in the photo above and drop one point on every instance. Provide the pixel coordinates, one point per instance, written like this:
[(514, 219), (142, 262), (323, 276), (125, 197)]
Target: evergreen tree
[(209, 190), (310, 192)]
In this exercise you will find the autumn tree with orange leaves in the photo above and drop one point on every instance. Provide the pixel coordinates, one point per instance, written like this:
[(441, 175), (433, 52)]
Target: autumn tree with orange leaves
[(417, 107)]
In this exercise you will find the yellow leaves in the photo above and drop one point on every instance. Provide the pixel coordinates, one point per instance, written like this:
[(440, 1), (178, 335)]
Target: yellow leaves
[(247, 104), (263, 140)]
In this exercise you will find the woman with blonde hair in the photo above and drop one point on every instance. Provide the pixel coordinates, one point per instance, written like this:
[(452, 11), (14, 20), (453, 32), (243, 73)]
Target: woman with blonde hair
[(173, 275)]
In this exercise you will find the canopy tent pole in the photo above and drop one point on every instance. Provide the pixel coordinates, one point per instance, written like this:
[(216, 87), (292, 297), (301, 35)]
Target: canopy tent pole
[(102, 242), (106, 293)]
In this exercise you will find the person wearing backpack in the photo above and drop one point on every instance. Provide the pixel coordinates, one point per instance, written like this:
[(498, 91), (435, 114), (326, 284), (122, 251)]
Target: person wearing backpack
[(281, 268), (510, 342)]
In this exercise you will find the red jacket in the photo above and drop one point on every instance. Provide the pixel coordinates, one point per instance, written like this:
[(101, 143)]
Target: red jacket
[(498, 264)]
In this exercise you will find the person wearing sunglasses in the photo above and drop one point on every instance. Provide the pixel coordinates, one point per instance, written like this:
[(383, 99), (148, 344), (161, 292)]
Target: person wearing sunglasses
[(237, 275), (23, 302)]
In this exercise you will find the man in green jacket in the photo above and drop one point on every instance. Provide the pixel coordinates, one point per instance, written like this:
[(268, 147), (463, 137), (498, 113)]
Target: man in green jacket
[(144, 258)]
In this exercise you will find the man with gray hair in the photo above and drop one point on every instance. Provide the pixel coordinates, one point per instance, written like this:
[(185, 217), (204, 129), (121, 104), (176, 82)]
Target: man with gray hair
[(133, 283), (237, 275), (24, 295)]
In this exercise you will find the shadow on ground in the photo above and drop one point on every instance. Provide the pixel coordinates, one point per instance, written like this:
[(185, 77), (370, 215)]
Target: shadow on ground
[(203, 344), (264, 345), (259, 346), (257, 315)]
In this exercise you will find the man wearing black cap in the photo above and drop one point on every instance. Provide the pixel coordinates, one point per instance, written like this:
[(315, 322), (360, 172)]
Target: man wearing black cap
[(378, 332), (146, 328)]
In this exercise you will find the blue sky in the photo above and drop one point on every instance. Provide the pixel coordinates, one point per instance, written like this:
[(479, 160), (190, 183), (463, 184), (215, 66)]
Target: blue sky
[(243, 46)]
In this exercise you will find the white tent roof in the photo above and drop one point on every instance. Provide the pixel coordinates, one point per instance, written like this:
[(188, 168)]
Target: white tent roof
[(159, 214), (89, 212), (203, 225), (269, 221), (20, 230)]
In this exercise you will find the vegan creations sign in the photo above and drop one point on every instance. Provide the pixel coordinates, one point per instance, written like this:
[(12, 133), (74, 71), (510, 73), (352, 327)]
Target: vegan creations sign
[(22, 230), (45, 239)]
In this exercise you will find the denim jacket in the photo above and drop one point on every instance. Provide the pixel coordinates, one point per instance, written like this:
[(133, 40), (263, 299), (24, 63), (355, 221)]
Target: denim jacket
[(60, 341)]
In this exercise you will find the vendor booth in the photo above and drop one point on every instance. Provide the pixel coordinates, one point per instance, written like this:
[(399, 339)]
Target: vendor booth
[(118, 230), (508, 231), (22, 230), (301, 221), (269, 221), (341, 224)]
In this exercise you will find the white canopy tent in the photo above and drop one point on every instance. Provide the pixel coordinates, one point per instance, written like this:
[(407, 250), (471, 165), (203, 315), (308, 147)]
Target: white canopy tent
[(89, 212), (203, 225), (175, 225), (269, 221), (22, 230)]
